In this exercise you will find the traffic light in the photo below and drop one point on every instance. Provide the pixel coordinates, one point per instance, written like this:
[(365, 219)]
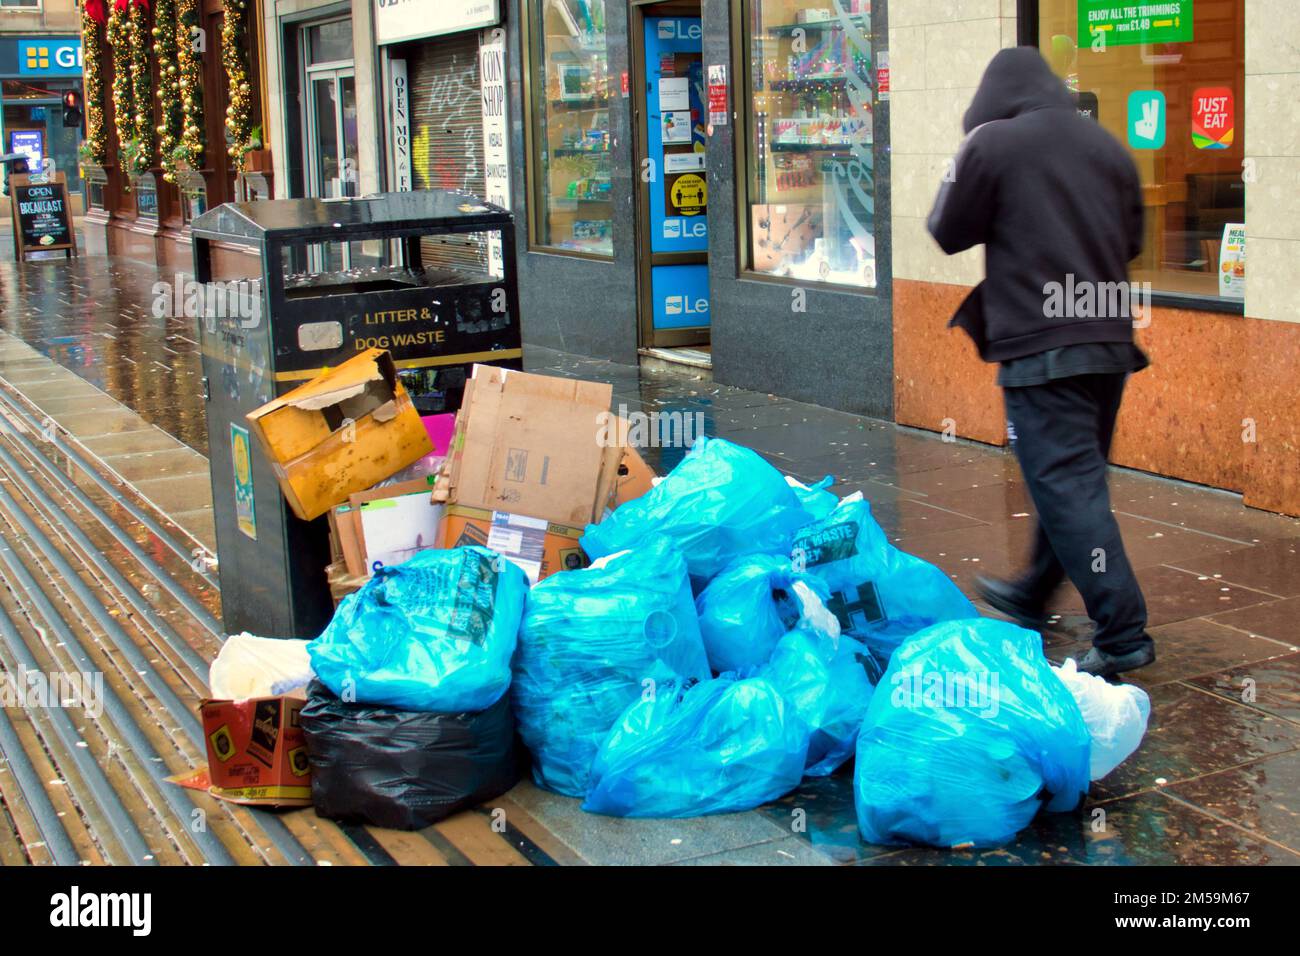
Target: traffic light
[(72, 109)]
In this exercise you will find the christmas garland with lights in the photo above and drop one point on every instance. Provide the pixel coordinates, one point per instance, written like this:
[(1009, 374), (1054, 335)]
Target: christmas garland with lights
[(189, 68), (93, 149), (118, 35), (171, 108), (141, 86), (234, 57)]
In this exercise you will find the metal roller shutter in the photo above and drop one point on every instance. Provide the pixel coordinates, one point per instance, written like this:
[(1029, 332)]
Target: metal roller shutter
[(447, 136)]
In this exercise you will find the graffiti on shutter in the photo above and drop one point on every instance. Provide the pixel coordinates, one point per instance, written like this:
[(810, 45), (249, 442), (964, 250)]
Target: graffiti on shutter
[(447, 145)]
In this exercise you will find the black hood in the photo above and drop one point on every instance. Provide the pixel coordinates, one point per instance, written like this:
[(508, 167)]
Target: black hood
[(1017, 80)]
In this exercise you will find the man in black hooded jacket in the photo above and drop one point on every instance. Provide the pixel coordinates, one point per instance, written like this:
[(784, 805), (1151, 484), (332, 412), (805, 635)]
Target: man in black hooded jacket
[(1057, 203)]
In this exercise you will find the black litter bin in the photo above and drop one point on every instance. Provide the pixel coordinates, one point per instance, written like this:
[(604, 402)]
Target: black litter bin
[(429, 276)]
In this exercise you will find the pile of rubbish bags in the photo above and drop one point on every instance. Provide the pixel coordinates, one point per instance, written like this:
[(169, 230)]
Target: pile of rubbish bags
[(735, 633)]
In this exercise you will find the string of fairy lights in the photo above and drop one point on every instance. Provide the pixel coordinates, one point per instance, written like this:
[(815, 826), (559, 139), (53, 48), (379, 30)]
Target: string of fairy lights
[(189, 68), (234, 56), (94, 148), (170, 36), (171, 107), (141, 85)]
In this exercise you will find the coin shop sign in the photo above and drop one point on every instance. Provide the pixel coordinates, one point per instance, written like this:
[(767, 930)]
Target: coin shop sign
[(1128, 24)]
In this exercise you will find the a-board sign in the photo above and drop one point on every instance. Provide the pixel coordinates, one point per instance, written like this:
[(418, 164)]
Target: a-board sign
[(42, 215)]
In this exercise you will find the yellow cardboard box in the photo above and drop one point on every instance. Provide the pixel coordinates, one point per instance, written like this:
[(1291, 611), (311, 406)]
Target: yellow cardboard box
[(340, 433)]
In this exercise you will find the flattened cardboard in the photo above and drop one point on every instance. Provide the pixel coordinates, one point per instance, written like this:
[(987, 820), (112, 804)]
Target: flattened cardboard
[(340, 433), (256, 751), (528, 445), (370, 547), (539, 547)]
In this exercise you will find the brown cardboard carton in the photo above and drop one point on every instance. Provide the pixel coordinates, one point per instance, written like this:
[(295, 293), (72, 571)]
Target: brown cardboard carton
[(256, 751), (632, 477), (340, 433), (539, 547), (635, 477), (529, 445)]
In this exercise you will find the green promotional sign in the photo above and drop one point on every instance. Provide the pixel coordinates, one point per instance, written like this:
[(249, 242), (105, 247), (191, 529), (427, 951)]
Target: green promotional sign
[(1127, 24)]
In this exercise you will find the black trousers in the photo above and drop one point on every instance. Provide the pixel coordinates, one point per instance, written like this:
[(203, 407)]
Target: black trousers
[(1061, 432)]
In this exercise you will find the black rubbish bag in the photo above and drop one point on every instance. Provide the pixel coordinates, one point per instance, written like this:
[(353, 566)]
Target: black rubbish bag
[(404, 769)]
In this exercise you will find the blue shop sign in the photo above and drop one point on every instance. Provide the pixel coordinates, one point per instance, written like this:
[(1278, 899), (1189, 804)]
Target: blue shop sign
[(40, 56)]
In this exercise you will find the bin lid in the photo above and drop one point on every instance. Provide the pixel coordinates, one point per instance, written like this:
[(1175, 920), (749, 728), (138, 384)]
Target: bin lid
[(389, 214)]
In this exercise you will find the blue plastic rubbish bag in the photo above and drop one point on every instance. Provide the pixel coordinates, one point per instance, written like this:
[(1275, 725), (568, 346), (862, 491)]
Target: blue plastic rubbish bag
[(720, 503), (435, 633), (879, 593), (750, 606), (720, 746), (588, 641), (826, 679), (968, 734), (817, 500)]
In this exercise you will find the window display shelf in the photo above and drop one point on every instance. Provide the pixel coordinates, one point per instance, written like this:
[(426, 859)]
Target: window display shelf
[(805, 84), (562, 151), (581, 106), (844, 147)]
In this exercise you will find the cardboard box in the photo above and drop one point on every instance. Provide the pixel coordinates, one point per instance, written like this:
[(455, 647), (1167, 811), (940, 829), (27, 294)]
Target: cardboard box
[(340, 433), (256, 751), (528, 445), (538, 546), (342, 582), (634, 477)]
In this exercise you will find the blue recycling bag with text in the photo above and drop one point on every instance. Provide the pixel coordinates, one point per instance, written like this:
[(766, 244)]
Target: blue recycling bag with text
[(879, 593), (434, 634)]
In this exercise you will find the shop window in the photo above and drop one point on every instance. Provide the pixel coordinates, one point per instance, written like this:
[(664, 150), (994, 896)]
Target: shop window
[(194, 194), (96, 187), (145, 189), (252, 187), (1169, 85), (809, 167), (569, 166)]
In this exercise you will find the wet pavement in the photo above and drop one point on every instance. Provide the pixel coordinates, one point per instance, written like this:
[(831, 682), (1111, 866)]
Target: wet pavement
[(1215, 780)]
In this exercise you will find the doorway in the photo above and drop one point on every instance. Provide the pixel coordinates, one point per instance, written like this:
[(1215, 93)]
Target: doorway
[(329, 124), (669, 137)]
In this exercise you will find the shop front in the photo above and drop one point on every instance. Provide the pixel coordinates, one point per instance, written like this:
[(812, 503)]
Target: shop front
[(1194, 89), (173, 114), (706, 182), (40, 104), (445, 111)]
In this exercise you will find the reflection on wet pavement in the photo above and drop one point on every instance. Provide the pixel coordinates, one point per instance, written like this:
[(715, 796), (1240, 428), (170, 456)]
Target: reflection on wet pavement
[(1216, 778), (101, 318)]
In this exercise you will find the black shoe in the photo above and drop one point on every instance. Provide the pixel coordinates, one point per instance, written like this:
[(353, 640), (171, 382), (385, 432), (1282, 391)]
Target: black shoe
[(1104, 664), (1011, 601)]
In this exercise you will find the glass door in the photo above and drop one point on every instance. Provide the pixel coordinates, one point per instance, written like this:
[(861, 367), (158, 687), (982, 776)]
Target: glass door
[(330, 127), (669, 96), (332, 133)]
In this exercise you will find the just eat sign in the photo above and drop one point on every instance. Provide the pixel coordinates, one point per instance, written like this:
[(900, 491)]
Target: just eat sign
[(1213, 117)]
